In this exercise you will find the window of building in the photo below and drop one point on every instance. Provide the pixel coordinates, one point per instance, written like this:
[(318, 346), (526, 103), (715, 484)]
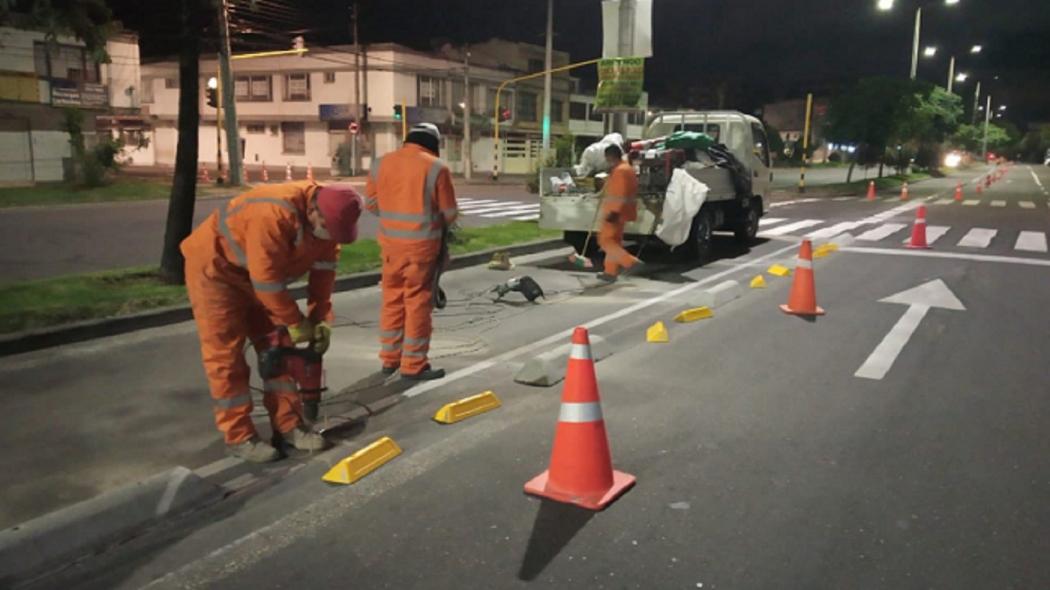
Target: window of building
[(595, 114), (525, 107), (557, 111), (64, 62), (297, 87), (146, 92), (293, 138), (255, 128), (578, 111), (457, 93), (431, 92), (171, 83), (253, 88), (329, 77), (535, 65), (481, 100)]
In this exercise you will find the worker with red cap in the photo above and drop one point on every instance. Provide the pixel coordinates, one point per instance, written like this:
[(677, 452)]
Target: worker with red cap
[(411, 192), (618, 207), (238, 265)]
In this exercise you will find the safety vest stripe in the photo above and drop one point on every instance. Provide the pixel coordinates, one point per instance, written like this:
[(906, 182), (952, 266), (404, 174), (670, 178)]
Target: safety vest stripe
[(420, 234), (228, 403), (420, 218), (414, 354), (268, 287), (275, 385), (390, 347), (224, 229), (391, 333), (224, 226), (431, 185), (580, 412), (324, 265), (417, 341), (580, 352)]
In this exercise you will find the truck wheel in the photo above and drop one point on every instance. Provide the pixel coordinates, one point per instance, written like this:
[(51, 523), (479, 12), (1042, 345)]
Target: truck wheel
[(577, 239), (746, 228), (699, 244)]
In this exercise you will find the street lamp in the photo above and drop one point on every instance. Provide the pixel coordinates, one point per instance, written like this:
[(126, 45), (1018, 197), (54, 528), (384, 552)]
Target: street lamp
[(976, 49), (1002, 107), (962, 77), (930, 51), (886, 5)]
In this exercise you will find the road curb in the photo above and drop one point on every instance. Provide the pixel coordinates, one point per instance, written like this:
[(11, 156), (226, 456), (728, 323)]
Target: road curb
[(75, 531), (31, 340)]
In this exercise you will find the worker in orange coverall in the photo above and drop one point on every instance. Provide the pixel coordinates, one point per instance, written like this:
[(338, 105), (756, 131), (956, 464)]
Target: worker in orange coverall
[(411, 192), (238, 265), (619, 205)]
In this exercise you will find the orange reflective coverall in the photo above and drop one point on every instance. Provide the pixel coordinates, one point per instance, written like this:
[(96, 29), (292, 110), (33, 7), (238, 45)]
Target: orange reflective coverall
[(411, 192), (619, 205), (238, 263)]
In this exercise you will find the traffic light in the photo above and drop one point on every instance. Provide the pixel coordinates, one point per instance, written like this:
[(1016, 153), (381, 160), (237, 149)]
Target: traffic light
[(213, 97), (504, 114), (398, 115)]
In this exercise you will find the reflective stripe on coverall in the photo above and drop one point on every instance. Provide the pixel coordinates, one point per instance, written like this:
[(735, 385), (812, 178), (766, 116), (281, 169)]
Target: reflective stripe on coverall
[(239, 262), (619, 203), (411, 192)]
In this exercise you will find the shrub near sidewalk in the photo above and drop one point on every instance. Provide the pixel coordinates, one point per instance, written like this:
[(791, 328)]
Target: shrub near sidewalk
[(39, 304)]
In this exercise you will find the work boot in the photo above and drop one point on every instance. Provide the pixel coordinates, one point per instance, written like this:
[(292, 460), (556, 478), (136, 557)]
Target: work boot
[(302, 439), (427, 374), (634, 270), (606, 278), (253, 450)]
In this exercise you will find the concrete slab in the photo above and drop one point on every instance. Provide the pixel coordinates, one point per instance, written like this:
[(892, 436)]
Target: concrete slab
[(548, 368)]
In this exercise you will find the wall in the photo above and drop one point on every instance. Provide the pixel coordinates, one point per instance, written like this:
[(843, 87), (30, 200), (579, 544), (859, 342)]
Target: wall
[(122, 75)]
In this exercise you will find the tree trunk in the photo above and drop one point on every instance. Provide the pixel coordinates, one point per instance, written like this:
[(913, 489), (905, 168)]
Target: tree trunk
[(184, 183), (849, 173), (881, 163)]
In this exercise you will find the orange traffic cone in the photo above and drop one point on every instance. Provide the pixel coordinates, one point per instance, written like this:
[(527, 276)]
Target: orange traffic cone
[(309, 172), (904, 191), (265, 173), (204, 175), (958, 192), (803, 297), (580, 470), (918, 231), (288, 172), (980, 188), (871, 191)]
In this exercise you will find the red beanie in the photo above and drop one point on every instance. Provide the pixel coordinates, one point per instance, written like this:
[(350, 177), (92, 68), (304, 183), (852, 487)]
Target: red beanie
[(340, 206)]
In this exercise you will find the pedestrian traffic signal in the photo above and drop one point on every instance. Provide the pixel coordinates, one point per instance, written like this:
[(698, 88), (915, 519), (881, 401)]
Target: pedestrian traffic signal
[(504, 114), (397, 112)]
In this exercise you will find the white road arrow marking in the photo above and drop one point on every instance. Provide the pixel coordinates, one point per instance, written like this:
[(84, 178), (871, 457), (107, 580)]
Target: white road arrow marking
[(919, 301)]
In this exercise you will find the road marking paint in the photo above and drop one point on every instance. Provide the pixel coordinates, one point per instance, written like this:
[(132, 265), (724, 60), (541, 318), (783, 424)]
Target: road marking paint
[(1027, 205), (881, 232), (527, 217), (978, 237), (1031, 241), (971, 202), (217, 467), (482, 203), (998, 203), (832, 231), (515, 211), (560, 337), (770, 221), (933, 233), (786, 229), (493, 208), (945, 202), (1035, 177), (947, 255), (845, 198)]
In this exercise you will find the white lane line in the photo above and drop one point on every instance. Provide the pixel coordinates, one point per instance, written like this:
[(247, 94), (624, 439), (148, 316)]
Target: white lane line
[(527, 217), (845, 198), (217, 466), (998, 203), (948, 201), (883, 231), (510, 212), (832, 231), (933, 233), (786, 229), (561, 337), (947, 255), (770, 221), (1031, 241), (882, 358), (978, 237), (465, 200), (971, 202), (1038, 182), (481, 203), (1026, 204)]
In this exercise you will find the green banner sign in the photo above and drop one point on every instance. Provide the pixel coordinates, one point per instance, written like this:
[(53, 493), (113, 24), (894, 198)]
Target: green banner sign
[(620, 81)]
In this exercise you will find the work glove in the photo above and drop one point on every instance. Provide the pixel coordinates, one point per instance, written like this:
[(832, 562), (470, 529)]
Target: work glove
[(322, 337), (302, 332)]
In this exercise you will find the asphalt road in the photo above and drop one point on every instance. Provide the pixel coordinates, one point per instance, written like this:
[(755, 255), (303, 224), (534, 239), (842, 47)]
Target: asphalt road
[(763, 460), (42, 242)]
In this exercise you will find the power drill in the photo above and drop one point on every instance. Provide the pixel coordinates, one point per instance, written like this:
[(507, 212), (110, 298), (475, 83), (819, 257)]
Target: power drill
[(526, 285), (303, 365)]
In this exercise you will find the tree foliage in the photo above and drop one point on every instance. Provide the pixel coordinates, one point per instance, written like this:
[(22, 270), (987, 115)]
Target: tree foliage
[(91, 21), (970, 137)]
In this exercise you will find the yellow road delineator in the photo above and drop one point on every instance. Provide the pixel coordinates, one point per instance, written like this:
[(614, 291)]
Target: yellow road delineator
[(779, 270), (657, 333), (467, 407), (694, 314), (363, 462), (825, 249), (759, 282)]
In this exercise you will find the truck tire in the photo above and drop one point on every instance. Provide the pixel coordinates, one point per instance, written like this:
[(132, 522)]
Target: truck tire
[(577, 239), (698, 246), (746, 227)]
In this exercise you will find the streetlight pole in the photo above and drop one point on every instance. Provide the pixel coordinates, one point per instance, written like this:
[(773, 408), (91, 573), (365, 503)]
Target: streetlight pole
[(233, 141), (468, 97), (915, 43), (547, 59), (951, 74), (987, 118), (976, 101), (354, 164)]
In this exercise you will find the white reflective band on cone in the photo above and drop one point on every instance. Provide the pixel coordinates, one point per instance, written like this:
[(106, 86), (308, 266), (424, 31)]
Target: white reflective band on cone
[(580, 352), (804, 263), (586, 412), (921, 220)]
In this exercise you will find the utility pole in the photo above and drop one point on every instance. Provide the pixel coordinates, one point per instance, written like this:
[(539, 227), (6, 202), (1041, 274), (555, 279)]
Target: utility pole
[(468, 98), (976, 101), (987, 118), (915, 43), (547, 59), (951, 74), (233, 142), (218, 127), (625, 49), (805, 144), (354, 163)]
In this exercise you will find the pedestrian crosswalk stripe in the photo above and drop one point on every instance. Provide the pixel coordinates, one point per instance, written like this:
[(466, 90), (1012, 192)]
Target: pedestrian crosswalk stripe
[(766, 221), (948, 201), (1031, 241), (482, 203), (1027, 205), (883, 231), (933, 233), (499, 207), (971, 202), (830, 232), (786, 229), (513, 211), (998, 203), (527, 217), (978, 237)]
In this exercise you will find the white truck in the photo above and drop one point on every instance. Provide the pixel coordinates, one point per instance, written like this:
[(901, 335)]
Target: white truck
[(732, 203)]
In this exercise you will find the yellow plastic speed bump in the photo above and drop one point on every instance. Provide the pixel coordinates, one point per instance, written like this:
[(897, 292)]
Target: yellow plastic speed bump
[(363, 462), (657, 333), (779, 270), (821, 252), (759, 282), (467, 408), (694, 314)]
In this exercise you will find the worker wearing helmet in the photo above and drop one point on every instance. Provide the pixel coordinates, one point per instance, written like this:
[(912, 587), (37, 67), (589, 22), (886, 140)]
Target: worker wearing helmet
[(238, 265), (619, 205), (411, 192)]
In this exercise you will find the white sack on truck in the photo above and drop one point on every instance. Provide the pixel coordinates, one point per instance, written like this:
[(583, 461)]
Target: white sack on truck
[(685, 195), (593, 158)]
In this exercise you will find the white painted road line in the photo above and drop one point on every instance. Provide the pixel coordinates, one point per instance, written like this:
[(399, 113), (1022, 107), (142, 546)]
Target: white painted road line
[(217, 466), (845, 198), (971, 202), (1027, 205), (998, 203), (947, 255), (766, 221), (978, 237), (1038, 182), (513, 211), (1031, 241), (494, 208), (933, 233), (481, 203), (527, 217), (832, 231), (948, 201), (883, 231), (786, 229)]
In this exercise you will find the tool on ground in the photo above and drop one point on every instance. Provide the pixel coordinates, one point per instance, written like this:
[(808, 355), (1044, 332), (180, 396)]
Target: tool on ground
[(525, 285), (904, 191), (959, 192), (918, 231), (580, 470), (500, 261), (803, 298), (303, 365), (871, 190), (580, 260)]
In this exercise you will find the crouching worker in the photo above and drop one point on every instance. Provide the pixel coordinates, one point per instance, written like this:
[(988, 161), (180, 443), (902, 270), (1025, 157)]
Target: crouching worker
[(238, 265)]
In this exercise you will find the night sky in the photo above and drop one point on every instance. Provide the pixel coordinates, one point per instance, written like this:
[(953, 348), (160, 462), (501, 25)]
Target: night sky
[(753, 51)]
